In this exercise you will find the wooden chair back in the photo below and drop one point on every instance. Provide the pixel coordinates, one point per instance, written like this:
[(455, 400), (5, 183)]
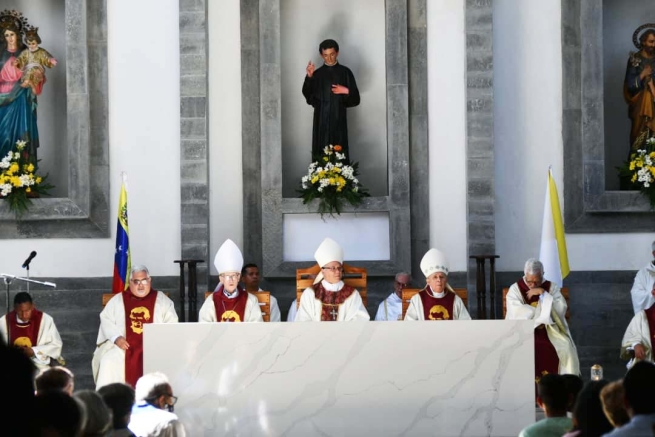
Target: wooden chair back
[(264, 299), (408, 293), (563, 290), (106, 297), (352, 276)]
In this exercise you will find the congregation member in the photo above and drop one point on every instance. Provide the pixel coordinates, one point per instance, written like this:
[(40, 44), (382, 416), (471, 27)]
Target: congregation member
[(32, 331), (637, 343), (153, 415), (589, 420), (119, 353), (55, 413), (612, 397), (55, 378), (98, 415), (437, 301), (120, 399), (230, 302), (552, 397), (392, 307), (573, 386), (643, 288), (17, 378), (329, 299), (639, 386), (532, 298)]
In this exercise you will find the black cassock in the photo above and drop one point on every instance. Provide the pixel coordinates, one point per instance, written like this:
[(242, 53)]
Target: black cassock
[(330, 124)]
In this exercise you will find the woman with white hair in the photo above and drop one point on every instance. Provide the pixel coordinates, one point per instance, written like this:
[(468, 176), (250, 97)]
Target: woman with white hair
[(437, 301), (329, 299)]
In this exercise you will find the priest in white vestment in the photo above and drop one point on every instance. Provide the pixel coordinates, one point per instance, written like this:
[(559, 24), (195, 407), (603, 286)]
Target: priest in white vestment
[(437, 301), (532, 298), (119, 353), (230, 302), (329, 299), (392, 307), (33, 331), (637, 343), (643, 288)]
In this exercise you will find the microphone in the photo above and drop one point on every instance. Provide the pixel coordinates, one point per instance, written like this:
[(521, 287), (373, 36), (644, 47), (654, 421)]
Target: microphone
[(29, 259)]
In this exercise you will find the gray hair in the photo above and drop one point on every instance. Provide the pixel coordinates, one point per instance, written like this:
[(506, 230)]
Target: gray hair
[(150, 386), (139, 268), (98, 414), (402, 274), (533, 267)]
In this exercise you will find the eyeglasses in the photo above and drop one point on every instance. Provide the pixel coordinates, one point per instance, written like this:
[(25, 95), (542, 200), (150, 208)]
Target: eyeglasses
[(138, 282), (402, 285), (234, 277), (173, 399), (333, 269)]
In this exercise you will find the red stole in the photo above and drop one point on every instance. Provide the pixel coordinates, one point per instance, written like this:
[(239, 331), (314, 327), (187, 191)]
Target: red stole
[(330, 300), (437, 308), (230, 310), (23, 334), (650, 316), (138, 311), (545, 356)]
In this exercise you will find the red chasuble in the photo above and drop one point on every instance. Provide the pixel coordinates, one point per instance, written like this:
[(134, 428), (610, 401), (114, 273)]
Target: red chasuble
[(138, 311), (230, 310), (330, 301), (545, 356), (437, 308), (23, 334), (650, 316)]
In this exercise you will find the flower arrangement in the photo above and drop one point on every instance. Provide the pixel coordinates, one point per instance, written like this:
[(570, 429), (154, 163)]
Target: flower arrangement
[(639, 170), (19, 181), (332, 180)]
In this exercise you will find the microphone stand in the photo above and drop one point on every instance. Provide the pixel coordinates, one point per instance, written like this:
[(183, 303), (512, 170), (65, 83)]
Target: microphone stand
[(9, 279)]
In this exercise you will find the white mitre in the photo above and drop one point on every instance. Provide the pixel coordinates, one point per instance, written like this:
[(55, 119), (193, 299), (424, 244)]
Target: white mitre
[(228, 258), (328, 251), (434, 261)]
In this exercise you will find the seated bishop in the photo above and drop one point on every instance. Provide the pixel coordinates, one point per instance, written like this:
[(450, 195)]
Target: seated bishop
[(637, 344), (437, 301), (532, 298), (230, 302), (329, 299)]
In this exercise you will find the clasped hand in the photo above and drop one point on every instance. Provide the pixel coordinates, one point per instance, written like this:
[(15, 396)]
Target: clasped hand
[(535, 292)]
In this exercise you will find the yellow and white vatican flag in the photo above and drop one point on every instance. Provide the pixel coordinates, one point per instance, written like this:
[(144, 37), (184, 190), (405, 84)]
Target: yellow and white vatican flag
[(553, 242)]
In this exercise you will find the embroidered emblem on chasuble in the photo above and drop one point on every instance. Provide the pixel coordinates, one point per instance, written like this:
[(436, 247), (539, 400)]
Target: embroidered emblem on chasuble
[(139, 311), (437, 308), (230, 310), (331, 300), (24, 334)]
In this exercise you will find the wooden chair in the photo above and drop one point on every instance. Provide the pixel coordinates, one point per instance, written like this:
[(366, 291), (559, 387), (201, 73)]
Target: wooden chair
[(264, 298), (408, 293), (352, 276), (563, 290), (107, 296)]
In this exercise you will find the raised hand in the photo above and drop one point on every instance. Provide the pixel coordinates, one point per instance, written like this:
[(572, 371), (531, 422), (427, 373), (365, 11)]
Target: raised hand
[(310, 69)]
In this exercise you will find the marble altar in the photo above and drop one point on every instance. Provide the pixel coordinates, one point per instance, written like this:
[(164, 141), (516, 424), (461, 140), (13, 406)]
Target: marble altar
[(469, 378)]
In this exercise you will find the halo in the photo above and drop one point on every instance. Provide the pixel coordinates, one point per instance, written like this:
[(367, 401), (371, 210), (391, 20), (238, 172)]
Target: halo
[(635, 35), (13, 18)]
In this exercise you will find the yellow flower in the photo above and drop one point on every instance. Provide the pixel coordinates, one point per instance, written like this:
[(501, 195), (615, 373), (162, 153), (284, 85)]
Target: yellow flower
[(30, 168), (38, 179), (332, 181), (632, 165), (325, 158), (28, 190), (14, 167), (15, 181), (634, 177), (314, 179), (652, 171)]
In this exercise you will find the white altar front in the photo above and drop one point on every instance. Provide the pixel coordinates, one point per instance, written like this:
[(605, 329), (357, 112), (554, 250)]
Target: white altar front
[(460, 378)]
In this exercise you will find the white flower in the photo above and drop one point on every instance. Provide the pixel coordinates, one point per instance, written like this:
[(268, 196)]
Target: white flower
[(304, 185), (341, 155), (20, 145), (356, 189), (305, 179), (355, 181), (5, 189), (320, 189)]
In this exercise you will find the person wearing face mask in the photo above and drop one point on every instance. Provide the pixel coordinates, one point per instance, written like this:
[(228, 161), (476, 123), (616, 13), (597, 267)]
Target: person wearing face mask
[(437, 301), (152, 414), (329, 299), (230, 302), (119, 353), (330, 90)]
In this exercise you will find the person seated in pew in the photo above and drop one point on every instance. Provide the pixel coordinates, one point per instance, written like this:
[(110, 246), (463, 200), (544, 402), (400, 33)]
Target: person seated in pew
[(32, 331), (250, 278), (643, 288), (392, 307), (437, 301), (329, 299), (230, 302), (637, 343), (119, 353), (532, 298), (56, 378)]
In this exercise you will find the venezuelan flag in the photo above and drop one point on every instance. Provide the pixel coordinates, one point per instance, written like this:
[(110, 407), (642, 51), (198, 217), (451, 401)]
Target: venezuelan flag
[(122, 259)]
